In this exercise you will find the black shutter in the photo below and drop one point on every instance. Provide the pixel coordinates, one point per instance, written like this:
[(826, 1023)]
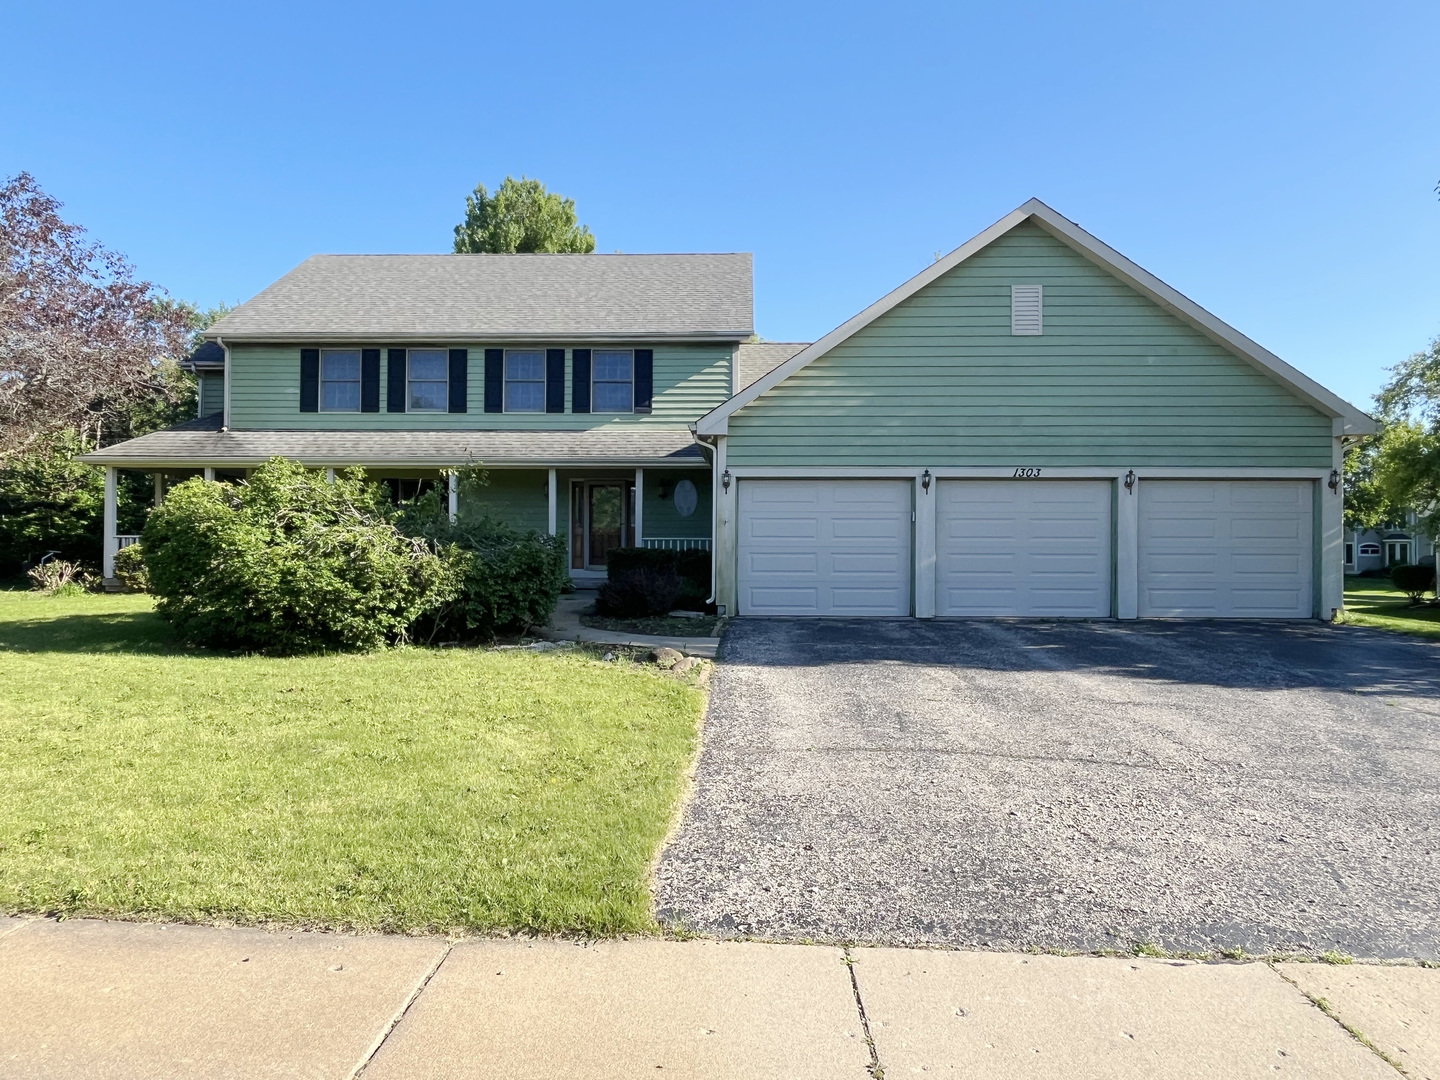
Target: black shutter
[(555, 380), (369, 380), (309, 380), (494, 380), (395, 380), (580, 381), (459, 379), (644, 379)]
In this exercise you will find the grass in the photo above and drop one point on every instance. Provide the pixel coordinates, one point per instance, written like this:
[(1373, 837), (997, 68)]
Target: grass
[(662, 625), (406, 790), (1377, 603)]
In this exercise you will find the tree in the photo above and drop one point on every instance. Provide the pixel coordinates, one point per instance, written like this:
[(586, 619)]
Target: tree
[(82, 340), (520, 217), (1367, 504), (1407, 454)]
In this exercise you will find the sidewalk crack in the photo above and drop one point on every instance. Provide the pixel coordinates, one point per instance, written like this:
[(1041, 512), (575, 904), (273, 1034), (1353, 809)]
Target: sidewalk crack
[(369, 1056), (874, 1068), (1354, 1032)]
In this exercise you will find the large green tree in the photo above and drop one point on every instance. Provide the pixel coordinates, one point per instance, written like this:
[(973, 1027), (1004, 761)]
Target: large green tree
[(1406, 454), (520, 217)]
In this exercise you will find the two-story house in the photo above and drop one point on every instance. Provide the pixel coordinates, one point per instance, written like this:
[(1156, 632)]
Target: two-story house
[(1033, 425)]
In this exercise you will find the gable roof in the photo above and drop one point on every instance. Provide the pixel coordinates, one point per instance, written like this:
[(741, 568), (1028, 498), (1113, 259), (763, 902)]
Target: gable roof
[(467, 298), (756, 358), (1351, 421)]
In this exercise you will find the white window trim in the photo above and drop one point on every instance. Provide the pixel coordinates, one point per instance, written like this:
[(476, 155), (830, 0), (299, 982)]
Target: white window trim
[(427, 348), (612, 412), (505, 381), (359, 380), (1363, 553)]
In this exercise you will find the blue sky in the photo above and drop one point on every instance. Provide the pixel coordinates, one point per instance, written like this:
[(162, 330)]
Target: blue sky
[(1275, 161)]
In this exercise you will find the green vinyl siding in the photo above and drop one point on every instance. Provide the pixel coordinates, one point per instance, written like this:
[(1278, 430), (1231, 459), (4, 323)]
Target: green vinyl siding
[(690, 380), (212, 392), (660, 517), (515, 496), (1114, 380)]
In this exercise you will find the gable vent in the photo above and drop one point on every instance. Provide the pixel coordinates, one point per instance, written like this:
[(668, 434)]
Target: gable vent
[(1027, 308)]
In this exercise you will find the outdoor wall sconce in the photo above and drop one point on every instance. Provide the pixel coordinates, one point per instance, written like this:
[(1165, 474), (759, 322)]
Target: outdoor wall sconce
[(725, 480), (1130, 480), (1334, 479), (925, 480)]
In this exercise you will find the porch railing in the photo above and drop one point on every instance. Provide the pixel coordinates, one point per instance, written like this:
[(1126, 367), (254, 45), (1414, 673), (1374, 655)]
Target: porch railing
[(678, 543), (124, 540)]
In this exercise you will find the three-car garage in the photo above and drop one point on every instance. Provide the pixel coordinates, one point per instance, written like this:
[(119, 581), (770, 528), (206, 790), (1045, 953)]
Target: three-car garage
[(1028, 547)]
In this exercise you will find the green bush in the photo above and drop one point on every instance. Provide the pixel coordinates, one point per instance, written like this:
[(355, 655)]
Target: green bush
[(1414, 581), (130, 568), (508, 580), (289, 562), (639, 581)]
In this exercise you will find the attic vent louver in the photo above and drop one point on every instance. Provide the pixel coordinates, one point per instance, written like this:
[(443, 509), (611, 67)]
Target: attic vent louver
[(1027, 310)]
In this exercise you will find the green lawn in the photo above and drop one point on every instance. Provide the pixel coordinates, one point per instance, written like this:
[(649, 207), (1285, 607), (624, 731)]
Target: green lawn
[(402, 790), (1375, 602)]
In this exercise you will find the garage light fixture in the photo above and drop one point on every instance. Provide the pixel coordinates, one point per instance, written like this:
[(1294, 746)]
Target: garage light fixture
[(925, 480), (1334, 479), (725, 479), (1130, 480)]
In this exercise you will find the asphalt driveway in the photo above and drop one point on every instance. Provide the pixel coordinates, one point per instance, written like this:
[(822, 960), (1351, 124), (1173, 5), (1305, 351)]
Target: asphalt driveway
[(1082, 785)]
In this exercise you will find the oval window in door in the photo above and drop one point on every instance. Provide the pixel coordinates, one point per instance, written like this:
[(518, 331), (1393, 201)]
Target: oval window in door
[(686, 498)]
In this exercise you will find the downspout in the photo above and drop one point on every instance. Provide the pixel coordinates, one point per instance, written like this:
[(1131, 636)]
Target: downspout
[(704, 445), (225, 420)]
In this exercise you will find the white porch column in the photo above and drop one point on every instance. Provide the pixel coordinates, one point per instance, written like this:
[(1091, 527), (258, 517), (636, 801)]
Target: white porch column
[(112, 545), (159, 488), (454, 496), (639, 507), (924, 547), (1127, 550), (330, 475), (553, 498), (209, 473)]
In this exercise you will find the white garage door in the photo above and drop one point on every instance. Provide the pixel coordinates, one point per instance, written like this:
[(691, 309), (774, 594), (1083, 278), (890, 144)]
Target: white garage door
[(825, 547), (1023, 547), (1237, 549)]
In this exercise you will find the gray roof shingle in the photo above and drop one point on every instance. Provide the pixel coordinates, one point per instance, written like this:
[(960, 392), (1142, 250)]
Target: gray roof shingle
[(757, 358), (501, 297), (201, 443)]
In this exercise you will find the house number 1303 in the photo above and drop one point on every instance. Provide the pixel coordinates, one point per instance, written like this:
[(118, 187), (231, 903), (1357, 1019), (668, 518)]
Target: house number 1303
[(1027, 474)]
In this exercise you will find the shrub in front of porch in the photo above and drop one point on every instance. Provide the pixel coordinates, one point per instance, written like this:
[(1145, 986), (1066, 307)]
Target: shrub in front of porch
[(648, 581), (291, 563), (508, 580)]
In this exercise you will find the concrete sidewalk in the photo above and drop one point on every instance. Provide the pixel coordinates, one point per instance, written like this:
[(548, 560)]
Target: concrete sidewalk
[(565, 625), (120, 1000)]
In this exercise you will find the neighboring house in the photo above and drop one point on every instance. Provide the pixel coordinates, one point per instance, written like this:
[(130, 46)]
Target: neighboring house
[(1032, 426), (1395, 545)]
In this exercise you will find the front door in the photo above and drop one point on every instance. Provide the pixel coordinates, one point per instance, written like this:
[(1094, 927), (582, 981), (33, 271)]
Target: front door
[(607, 522), (602, 519)]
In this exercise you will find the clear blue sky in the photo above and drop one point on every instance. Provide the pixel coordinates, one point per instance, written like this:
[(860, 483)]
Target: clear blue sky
[(1274, 161)]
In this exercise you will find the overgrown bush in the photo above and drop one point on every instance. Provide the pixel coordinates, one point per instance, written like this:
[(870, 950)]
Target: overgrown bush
[(649, 581), (59, 577), (508, 580), (289, 562), (1414, 581), (130, 568)]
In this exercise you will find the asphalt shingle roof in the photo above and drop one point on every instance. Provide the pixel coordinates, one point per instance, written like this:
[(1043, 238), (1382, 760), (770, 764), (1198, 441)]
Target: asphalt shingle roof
[(757, 358), (501, 297), (202, 443)]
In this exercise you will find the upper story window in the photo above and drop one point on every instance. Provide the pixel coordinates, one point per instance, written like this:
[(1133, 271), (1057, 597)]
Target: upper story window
[(340, 380), (524, 380), (428, 380), (613, 381)]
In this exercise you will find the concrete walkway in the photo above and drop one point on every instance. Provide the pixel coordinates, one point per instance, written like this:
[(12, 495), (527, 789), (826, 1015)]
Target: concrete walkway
[(122, 1000), (565, 626)]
